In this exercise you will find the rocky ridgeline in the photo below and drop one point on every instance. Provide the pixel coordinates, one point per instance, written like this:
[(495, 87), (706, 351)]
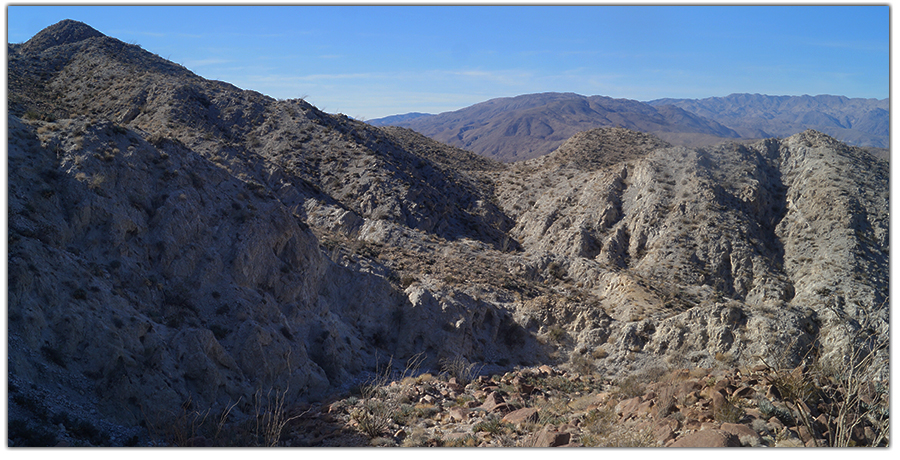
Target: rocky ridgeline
[(181, 246)]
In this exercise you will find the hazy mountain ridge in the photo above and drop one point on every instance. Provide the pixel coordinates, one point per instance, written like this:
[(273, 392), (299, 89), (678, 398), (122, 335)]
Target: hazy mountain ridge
[(393, 120), (175, 239), (527, 126), (863, 122), (531, 125)]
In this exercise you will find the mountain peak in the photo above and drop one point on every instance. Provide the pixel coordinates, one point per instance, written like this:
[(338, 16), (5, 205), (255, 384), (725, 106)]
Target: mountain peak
[(62, 33)]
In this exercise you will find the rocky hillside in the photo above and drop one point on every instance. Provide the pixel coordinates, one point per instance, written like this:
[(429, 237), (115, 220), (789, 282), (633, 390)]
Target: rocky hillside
[(181, 246), (856, 121), (531, 125)]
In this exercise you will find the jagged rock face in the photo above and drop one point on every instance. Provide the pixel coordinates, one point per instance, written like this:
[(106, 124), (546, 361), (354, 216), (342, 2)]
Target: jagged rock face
[(778, 227), (174, 239)]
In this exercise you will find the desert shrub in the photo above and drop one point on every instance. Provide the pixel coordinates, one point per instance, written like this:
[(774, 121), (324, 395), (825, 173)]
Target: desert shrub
[(406, 280), (425, 410), (624, 437), (418, 437), (373, 418), (556, 333), (794, 385), (630, 386), (460, 368), (769, 410), (560, 383), (272, 416), (599, 353), (666, 403), (599, 421), (180, 428), (557, 270), (404, 414), (556, 411), (463, 441), (581, 364), (491, 424)]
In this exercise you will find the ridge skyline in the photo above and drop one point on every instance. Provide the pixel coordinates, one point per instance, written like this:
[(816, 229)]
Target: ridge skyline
[(732, 94), (370, 62)]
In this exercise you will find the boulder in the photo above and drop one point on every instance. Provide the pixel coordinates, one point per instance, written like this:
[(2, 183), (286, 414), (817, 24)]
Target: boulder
[(741, 430), (548, 437), (708, 438), (520, 416)]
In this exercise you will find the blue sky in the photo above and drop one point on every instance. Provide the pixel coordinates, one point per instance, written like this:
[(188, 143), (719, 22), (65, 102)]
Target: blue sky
[(373, 61)]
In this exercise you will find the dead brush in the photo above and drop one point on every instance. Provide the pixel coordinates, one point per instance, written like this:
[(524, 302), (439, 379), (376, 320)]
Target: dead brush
[(460, 368), (271, 416), (186, 428), (629, 437), (599, 422), (378, 408), (859, 400), (845, 384)]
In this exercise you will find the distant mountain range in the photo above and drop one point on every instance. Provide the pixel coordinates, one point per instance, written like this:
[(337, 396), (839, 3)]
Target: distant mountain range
[(862, 122), (531, 125)]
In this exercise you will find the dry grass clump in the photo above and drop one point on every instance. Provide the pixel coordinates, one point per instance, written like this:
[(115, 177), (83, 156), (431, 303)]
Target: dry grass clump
[(604, 431), (630, 386), (271, 416), (630, 438), (461, 369), (207, 428)]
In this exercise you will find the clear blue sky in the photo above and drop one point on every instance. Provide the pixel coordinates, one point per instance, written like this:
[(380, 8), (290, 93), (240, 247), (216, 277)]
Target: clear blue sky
[(374, 61)]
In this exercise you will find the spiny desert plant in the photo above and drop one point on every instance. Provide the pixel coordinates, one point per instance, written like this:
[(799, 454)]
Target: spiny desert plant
[(373, 418)]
